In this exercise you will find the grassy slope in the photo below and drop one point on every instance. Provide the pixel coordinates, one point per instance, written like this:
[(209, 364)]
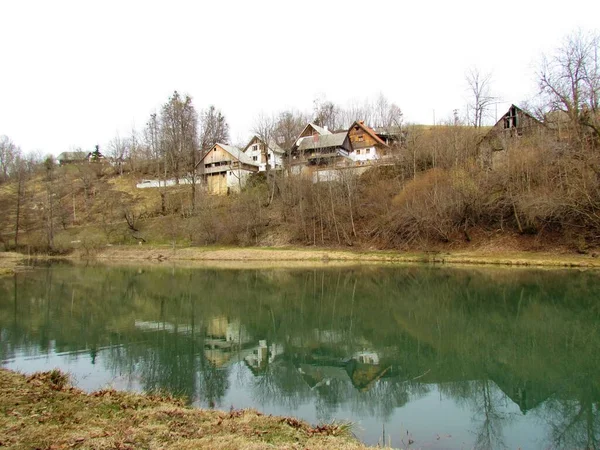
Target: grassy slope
[(43, 411)]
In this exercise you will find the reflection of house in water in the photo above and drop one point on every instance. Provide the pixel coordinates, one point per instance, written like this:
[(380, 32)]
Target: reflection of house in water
[(527, 395), (316, 376), (262, 356), (221, 337), (362, 370)]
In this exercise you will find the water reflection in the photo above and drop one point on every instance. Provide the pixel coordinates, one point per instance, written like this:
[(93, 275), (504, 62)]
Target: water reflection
[(448, 358)]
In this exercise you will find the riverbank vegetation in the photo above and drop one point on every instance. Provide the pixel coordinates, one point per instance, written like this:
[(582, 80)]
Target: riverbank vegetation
[(438, 192), (44, 411)]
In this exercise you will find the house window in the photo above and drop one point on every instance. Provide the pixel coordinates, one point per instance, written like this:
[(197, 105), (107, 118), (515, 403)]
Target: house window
[(255, 147), (358, 152), (367, 151), (270, 156), (360, 138), (255, 158)]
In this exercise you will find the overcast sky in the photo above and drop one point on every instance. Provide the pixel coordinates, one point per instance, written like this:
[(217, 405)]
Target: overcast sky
[(75, 73)]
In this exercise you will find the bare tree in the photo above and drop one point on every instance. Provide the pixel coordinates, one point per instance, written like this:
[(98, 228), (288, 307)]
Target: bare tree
[(289, 125), (569, 80), (179, 132), (9, 152), (386, 114), (117, 150), (479, 88), (264, 128), (327, 114), (213, 128)]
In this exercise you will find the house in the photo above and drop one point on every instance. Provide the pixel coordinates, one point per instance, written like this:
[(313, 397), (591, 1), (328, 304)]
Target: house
[(77, 157), (256, 152), (515, 124), (317, 147), (310, 130), (394, 136), (225, 168), (366, 145)]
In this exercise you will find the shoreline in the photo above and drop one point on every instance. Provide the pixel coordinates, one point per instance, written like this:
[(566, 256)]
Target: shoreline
[(281, 257), (43, 410)]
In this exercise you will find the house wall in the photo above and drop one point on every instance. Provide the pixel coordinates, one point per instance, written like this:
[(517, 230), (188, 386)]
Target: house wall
[(360, 139), (255, 153), (338, 174), (361, 155), (364, 147), (217, 154)]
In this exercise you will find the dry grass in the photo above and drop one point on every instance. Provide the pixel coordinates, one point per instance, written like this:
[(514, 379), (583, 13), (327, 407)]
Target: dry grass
[(9, 262), (44, 411), (304, 257)]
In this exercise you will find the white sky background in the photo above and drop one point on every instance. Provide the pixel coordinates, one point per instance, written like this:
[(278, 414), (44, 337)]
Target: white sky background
[(74, 73)]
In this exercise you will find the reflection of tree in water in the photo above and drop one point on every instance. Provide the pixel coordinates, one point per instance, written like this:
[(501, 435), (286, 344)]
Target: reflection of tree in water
[(532, 327), (280, 384), (487, 402), (488, 405), (574, 424), (213, 383)]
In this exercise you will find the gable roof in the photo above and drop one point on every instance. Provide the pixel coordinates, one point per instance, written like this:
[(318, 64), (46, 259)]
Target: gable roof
[(518, 110), (323, 141), (235, 152), (319, 130), (370, 131), (273, 146)]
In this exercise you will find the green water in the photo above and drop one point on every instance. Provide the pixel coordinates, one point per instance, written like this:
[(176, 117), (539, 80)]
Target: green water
[(442, 357)]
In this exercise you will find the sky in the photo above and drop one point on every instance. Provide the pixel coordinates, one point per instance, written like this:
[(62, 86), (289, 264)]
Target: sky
[(77, 73)]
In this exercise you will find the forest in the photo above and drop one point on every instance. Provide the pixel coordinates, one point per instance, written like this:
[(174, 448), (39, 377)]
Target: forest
[(436, 191)]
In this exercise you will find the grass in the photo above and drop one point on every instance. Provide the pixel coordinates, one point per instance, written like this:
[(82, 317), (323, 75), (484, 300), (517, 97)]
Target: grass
[(332, 255), (9, 262), (44, 411)]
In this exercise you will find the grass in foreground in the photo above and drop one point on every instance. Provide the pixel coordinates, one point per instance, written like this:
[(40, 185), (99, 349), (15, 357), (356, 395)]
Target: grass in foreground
[(44, 411)]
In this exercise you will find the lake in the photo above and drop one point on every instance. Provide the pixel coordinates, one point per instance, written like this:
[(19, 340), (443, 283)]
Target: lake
[(416, 356)]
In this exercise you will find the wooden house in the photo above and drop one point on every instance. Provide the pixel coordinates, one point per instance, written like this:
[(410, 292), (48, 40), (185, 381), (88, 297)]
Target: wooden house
[(512, 126), (366, 145), (316, 147), (256, 152), (225, 169), (310, 130)]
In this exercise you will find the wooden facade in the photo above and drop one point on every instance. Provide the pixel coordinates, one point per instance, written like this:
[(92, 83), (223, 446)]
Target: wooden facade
[(513, 125), (225, 169), (366, 145)]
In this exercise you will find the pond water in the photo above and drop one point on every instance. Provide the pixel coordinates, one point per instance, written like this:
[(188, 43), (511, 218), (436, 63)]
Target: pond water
[(418, 356)]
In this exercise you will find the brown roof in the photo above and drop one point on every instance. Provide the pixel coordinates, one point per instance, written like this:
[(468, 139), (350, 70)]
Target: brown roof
[(370, 131)]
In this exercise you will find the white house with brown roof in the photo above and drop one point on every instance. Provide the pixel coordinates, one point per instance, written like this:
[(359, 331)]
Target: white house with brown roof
[(367, 146), (226, 169)]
